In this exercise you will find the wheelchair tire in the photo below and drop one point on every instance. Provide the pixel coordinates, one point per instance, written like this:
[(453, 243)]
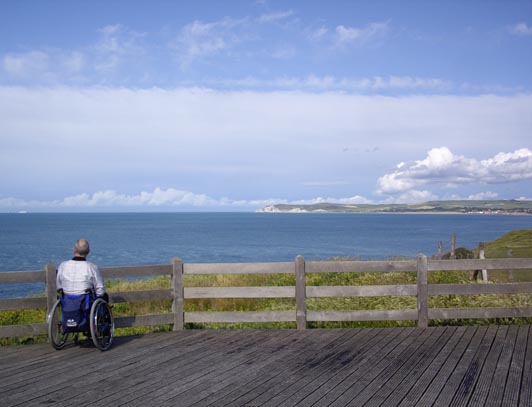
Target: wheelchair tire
[(102, 325), (57, 338)]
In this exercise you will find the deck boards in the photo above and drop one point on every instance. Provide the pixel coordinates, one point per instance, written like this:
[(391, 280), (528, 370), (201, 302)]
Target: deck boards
[(440, 366)]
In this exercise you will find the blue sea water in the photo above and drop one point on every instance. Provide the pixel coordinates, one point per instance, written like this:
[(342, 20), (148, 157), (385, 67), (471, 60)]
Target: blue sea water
[(29, 241)]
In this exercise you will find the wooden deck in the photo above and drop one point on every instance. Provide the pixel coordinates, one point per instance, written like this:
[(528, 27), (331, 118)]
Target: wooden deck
[(444, 366)]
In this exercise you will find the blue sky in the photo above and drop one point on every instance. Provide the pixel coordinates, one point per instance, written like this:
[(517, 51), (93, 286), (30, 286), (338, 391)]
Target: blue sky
[(236, 105)]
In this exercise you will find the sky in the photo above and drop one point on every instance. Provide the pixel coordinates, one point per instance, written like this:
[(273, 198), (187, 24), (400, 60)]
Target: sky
[(236, 105)]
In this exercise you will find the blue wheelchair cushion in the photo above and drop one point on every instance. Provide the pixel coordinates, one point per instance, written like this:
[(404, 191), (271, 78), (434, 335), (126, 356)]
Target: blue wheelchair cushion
[(76, 309)]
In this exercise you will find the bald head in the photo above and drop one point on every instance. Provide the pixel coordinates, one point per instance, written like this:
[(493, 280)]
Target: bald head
[(82, 248)]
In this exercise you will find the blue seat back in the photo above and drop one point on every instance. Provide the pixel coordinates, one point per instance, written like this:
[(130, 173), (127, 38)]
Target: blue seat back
[(76, 310)]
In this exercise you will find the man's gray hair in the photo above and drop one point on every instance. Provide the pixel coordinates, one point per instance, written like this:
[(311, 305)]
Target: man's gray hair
[(82, 247)]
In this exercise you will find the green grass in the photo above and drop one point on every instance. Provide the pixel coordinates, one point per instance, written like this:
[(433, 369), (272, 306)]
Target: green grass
[(514, 244)]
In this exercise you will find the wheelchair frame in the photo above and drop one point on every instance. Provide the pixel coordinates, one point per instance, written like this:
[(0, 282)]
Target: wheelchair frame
[(101, 325)]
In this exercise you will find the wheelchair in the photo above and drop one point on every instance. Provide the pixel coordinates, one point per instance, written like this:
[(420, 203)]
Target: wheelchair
[(82, 313)]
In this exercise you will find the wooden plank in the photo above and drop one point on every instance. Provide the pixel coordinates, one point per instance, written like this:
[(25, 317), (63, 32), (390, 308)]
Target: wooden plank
[(240, 292), (464, 289), (389, 315), (265, 393), (178, 295), (444, 377), (300, 292), (480, 313), (186, 385), (422, 292), (479, 395), (525, 394), (239, 268), (402, 350), (478, 264), (276, 392), (467, 367), (472, 374), (7, 331), (22, 303), (436, 366), (317, 355), (407, 378), (16, 277), (359, 266), (501, 376), (144, 320), (375, 392), (260, 316), (515, 372), (136, 271), (359, 349), (361, 291), (385, 344), (146, 295)]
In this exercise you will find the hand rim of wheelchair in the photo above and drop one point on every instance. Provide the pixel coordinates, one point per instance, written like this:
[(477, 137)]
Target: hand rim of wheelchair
[(102, 326), (101, 331)]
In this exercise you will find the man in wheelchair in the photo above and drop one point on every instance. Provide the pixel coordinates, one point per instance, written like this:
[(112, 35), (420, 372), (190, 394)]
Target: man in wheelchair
[(82, 305)]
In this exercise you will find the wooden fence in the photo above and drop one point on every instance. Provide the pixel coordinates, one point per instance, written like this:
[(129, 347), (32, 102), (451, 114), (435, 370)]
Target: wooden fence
[(300, 315)]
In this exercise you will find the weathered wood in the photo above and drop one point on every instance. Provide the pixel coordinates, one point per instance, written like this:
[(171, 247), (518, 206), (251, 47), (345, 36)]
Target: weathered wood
[(22, 303), (239, 268), (178, 304), (301, 306), (462, 289), (479, 313), (15, 277), (144, 320), (136, 271), (261, 316), (7, 331), (390, 315), (146, 295), (406, 367), (477, 264), (240, 292), (359, 266), (51, 291), (361, 291), (422, 292)]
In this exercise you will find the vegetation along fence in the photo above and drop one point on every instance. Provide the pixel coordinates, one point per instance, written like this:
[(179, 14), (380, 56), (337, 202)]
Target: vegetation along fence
[(301, 291)]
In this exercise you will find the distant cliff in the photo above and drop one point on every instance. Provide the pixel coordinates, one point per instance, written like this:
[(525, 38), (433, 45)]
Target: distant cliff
[(471, 207)]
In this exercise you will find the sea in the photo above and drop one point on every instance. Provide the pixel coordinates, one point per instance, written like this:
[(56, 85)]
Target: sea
[(28, 241)]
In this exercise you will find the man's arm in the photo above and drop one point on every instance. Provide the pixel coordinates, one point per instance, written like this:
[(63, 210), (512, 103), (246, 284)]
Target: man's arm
[(97, 281)]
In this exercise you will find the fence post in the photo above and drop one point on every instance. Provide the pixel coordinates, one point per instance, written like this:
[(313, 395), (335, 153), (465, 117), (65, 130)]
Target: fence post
[(301, 294), (422, 292), (178, 294), (453, 247), (51, 290), (481, 255), (440, 250)]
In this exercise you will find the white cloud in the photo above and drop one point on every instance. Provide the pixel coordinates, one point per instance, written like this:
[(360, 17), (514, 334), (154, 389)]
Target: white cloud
[(200, 40), (23, 65), (333, 83), (521, 29), (442, 166), (171, 197), (274, 17), (255, 145), (116, 45), (346, 36)]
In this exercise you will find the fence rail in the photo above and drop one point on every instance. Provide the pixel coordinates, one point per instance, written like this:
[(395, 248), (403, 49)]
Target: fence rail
[(300, 291)]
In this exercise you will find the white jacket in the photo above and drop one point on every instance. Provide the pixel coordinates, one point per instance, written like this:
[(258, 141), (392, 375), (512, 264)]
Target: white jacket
[(77, 275)]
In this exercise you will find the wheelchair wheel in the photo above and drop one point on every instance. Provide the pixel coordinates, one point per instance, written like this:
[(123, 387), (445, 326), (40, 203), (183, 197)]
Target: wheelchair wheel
[(56, 333), (102, 325)]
